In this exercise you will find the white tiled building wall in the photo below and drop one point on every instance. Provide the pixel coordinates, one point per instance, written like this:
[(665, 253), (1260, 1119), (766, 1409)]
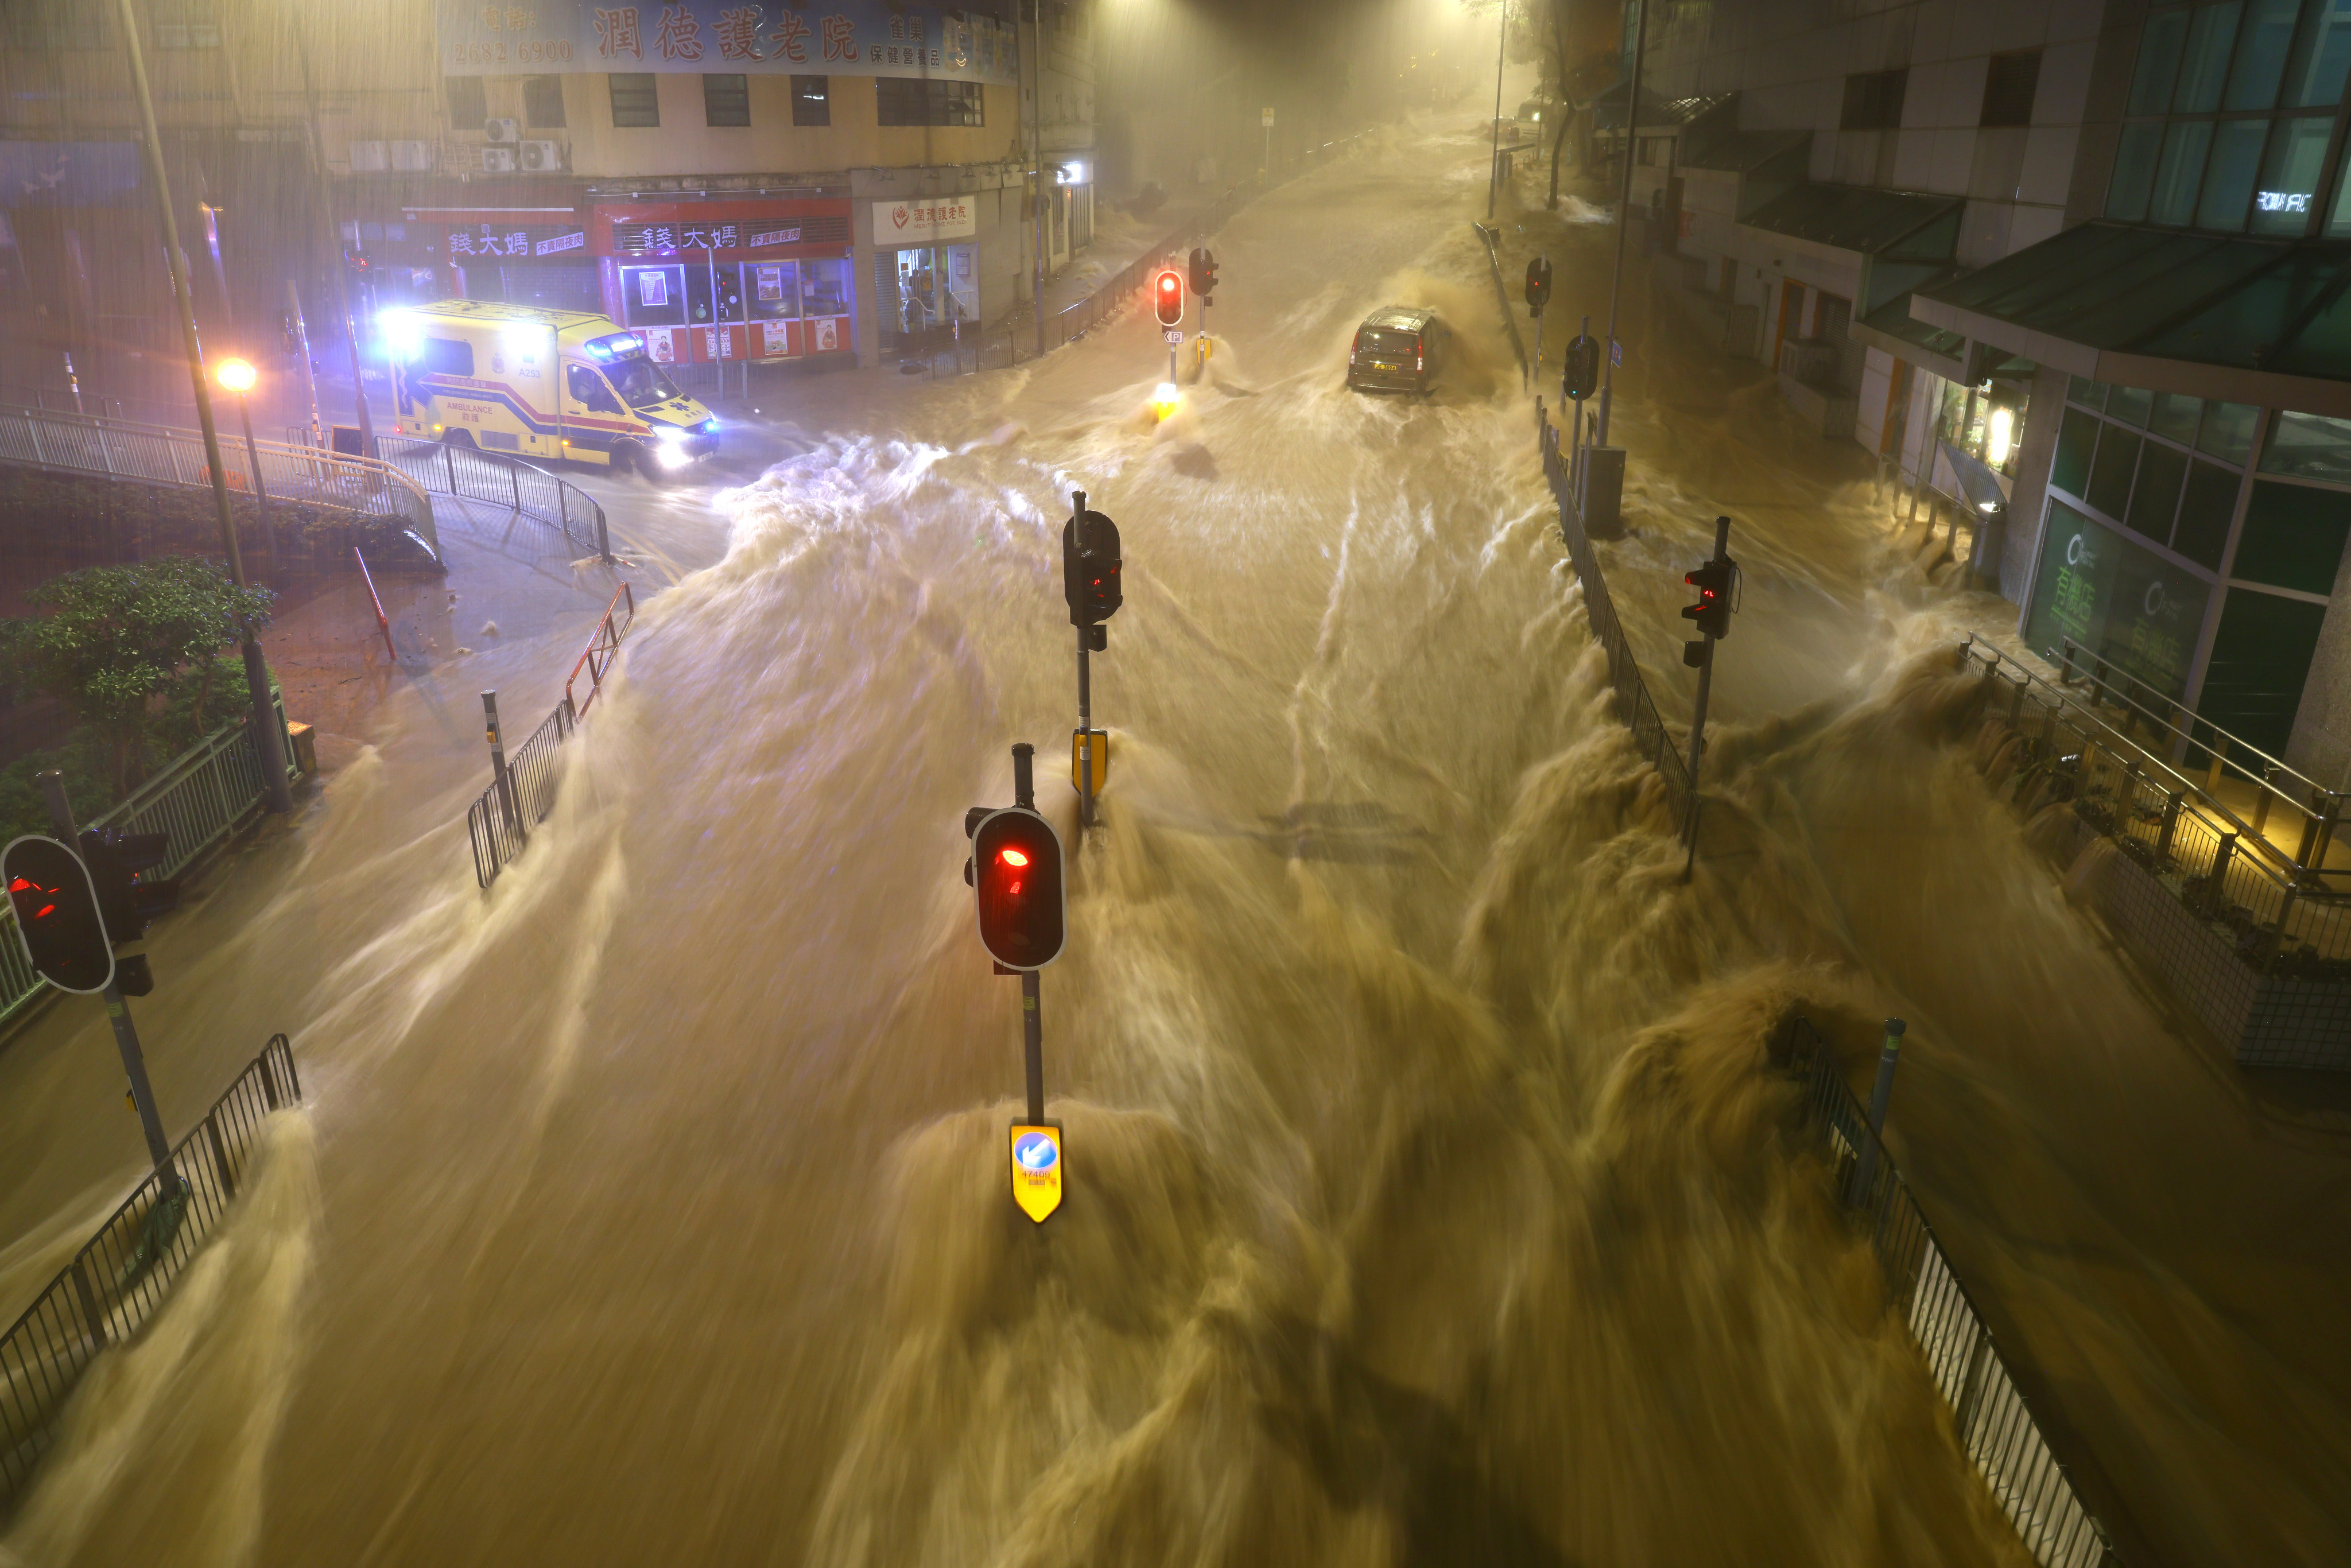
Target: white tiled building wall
[(1787, 59)]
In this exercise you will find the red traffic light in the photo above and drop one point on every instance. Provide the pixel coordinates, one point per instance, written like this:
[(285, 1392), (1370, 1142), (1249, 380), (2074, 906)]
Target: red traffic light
[(1017, 861), (1167, 297), (1712, 611), (56, 915)]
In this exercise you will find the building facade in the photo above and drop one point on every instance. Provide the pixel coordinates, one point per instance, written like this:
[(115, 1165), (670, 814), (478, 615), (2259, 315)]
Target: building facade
[(746, 184), (2079, 267)]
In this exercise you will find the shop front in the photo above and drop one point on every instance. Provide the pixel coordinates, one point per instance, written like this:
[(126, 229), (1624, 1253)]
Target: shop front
[(714, 282), (926, 268)]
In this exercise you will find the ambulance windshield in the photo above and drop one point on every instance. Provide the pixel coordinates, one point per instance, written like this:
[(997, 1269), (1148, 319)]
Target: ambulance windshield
[(641, 382)]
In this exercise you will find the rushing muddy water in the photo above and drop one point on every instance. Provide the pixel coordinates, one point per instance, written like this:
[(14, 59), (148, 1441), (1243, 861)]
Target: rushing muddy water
[(1433, 1197)]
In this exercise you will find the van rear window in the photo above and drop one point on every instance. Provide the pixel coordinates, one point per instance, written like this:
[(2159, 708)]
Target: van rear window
[(1389, 341), (448, 357)]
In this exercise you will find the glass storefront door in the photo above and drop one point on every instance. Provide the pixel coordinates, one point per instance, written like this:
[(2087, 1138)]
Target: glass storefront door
[(923, 286)]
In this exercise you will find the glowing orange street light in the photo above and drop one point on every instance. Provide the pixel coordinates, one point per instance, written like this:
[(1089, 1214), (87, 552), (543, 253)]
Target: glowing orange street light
[(239, 376)]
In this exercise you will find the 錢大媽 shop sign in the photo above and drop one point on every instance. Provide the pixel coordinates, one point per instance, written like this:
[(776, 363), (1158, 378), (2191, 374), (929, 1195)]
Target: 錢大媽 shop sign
[(922, 222)]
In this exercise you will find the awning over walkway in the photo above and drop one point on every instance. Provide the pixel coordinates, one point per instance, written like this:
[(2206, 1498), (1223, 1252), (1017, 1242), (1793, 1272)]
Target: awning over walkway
[(2235, 320), (1867, 221), (1659, 115)]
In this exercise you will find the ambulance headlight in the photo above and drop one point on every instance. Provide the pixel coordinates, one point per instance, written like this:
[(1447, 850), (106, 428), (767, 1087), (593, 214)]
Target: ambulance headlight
[(402, 335)]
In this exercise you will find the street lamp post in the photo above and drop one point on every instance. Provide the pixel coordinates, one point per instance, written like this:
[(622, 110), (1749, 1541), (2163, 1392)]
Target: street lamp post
[(268, 741), (1494, 161), (238, 376)]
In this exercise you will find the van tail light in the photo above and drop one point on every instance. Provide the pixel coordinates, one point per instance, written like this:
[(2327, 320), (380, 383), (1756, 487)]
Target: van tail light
[(1355, 349), (1419, 354)]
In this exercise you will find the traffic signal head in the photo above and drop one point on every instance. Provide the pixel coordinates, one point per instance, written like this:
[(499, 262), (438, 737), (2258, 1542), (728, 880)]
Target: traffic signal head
[(1580, 376), (1090, 564), (1538, 285), (1208, 279), (1016, 859), (1199, 269), (126, 899), (1712, 611), (1167, 297), (56, 915)]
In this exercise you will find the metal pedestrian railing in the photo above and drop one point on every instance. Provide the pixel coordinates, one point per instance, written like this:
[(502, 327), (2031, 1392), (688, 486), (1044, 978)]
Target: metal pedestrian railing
[(161, 455), (1128, 285), (498, 822), (2285, 912), (1994, 1423), (470, 474), (1491, 240), (118, 1280), (200, 798), (1635, 709)]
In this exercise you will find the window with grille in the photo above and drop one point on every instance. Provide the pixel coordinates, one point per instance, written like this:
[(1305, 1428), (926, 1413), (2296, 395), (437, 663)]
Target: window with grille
[(811, 101), (1873, 100), (469, 104), (636, 104), (726, 100), (55, 24), (2009, 87), (542, 102), (910, 101)]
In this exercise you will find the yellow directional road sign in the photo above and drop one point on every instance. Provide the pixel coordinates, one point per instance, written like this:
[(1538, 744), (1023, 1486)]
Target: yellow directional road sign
[(1037, 1168)]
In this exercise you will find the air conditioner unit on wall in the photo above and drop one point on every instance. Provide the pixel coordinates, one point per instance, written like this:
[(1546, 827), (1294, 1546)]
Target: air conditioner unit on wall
[(367, 158), (412, 157), (497, 161), (542, 157), (503, 129)]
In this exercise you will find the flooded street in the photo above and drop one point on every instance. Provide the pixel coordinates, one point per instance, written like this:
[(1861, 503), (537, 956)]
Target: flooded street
[(1433, 1197)]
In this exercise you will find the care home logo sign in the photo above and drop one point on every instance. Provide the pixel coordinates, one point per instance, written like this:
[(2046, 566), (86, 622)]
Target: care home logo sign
[(924, 221)]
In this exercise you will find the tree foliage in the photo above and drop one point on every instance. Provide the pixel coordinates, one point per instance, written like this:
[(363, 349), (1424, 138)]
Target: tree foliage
[(109, 641)]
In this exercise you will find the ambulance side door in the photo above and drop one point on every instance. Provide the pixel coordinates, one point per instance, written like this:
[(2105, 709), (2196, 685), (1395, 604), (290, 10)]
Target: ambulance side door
[(587, 398)]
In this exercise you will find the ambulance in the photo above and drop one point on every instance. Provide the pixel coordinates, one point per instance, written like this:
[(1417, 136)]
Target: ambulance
[(541, 385)]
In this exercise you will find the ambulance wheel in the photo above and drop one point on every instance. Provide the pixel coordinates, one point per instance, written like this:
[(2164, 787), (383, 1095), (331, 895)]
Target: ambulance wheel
[(458, 438)]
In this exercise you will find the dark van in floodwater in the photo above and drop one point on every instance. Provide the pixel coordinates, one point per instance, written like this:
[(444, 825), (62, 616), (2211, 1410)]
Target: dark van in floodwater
[(1397, 349)]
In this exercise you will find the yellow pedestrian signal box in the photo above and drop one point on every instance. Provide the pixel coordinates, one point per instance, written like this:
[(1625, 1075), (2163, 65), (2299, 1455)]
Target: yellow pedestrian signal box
[(1100, 760)]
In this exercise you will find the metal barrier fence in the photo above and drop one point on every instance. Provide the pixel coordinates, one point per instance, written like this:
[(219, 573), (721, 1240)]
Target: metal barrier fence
[(116, 1282), (1995, 1424), (498, 822), (197, 800), (2282, 917), (470, 474), (1634, 707), (161, 455), (1491, 239)]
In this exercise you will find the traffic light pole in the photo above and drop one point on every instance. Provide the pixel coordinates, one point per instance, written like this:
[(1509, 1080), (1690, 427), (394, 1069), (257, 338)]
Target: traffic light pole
[(1698, 714), (1032, 1025), (118, 1010)]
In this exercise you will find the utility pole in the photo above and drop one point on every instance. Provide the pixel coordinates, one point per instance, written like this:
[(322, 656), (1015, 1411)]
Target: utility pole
[(1037, 157), (1623, 208), (334, 251), (310, 375), (117, 1012), (269, 742)]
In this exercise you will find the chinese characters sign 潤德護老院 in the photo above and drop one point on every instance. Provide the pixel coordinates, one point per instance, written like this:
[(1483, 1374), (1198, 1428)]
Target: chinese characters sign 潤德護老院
[(836, 37), (923, 222)]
